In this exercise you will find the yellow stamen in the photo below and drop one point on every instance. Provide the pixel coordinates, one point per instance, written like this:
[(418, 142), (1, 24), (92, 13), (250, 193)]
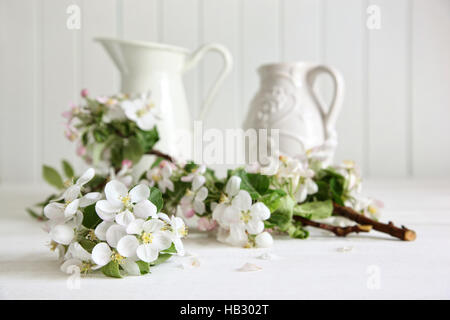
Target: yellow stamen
[(372, 209), (141, 112), (156, 177), (116, 257), (91, 235), (223, 198), (85, 267), (245, 216), (147, 238), (183, 231), (125, 200)]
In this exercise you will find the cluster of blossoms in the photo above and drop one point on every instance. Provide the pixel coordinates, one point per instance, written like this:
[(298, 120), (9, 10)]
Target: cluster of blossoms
[(112, 220), (119, 230)]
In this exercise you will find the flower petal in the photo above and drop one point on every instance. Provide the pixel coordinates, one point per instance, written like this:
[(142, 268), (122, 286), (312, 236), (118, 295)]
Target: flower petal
[(54, 211), (131, 267), (72, 193), (115, 191), (254, 226), (260, 211), (152, 225), (145, 209), (264, 240), (179, 246), (199, 206), (233, 185), (86, 177), (198, 182), (114, 234), (242, 200), (135, 227), (106, 210), (101, 254), (147, 253), (139, 193), (311, 186), (161, 241), (100, 230), (62, 234), (124, 218), (202, 194), (90, 198), (78, 252), (301, 193), (127, 246), (71, 265), (71, 208)]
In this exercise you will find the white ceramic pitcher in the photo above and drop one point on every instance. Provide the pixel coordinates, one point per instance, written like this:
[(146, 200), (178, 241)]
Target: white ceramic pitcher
[(158, 68), (287, 101)]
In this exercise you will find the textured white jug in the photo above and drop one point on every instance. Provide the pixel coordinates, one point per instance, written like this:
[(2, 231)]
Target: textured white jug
[(158, 68), (287, 101)]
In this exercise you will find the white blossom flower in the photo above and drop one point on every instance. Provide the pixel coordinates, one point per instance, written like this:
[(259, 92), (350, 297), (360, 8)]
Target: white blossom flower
[(264, 240), (199, 171), (177, 230), (124, 174), (102, 254), (161, 176), (59, 212), (194, 199), (145, 239), (231, 190), (123, 206), (142, 111)]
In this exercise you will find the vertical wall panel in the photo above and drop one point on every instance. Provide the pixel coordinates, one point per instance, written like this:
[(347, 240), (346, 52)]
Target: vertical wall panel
[(221, 24), (180, 27), (19, 107), (260, 44), (344, 32), (300, 30), (139, 20), (430, 88), (99, 74), (388, 62), (59, 55)]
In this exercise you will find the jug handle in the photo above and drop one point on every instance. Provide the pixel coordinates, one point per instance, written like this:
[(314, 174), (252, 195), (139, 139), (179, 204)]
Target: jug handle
[(228, 63), (329, 117)]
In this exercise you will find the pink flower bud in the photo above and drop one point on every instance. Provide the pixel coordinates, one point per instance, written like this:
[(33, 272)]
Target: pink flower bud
[(81, 150), (127, 163), (84, 93), (206, 224), (189, 213)]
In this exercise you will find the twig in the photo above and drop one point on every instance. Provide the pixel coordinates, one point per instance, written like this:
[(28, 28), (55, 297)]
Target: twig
[(402, 233), (338, 231), (161, 154)]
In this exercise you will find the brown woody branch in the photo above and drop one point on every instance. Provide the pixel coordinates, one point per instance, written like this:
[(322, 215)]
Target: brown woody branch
[(338, 231), (402, 233), (161, 155)]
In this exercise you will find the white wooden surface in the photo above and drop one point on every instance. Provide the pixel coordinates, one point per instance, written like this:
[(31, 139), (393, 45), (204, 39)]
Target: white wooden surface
[(395, 117), (304, 269)]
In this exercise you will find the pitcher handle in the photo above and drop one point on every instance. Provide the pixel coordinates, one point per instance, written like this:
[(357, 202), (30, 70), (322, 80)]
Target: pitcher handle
[(329, 117), (228, 63)]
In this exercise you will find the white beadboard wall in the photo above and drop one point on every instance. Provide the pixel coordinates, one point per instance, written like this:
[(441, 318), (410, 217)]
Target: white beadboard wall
[(395, 120)]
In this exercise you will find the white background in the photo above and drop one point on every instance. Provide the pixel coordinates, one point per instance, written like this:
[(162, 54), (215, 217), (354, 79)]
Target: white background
[(395, 120)]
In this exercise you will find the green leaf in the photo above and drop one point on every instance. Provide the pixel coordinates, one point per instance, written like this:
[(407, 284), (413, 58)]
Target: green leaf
[(52, 177), (87, 245), (272, 199), (297, 231), (90, 217), (112, 270), (133, 150), (314, 210), (259, 182), (147, 139), (156, 198), (171, 249), (161, 258), (68, 170), (144, 267), (246, 184), (282, 216)]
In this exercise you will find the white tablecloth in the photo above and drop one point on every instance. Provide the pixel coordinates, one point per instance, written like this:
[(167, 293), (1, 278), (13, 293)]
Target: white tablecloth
[(323, 266)]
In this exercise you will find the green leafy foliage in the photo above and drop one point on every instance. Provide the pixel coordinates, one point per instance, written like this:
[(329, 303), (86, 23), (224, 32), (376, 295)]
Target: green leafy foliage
[(90, 217), (68, 169), (112, 270), (52, 177), (87, 245), (314, 210), (331, 186), (156, 198), (295, 230), (161, 258), (147, 139), (133, 150), (282, 216), (255, 184), (144, 267)]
